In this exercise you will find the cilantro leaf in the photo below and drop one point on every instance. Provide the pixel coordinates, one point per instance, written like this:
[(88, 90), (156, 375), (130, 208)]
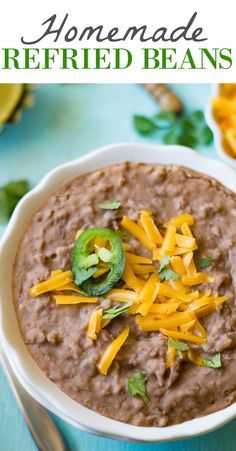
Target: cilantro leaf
[(116, 311), (204, 262), (168, 274), (164, 262), (84, 274), (10, 195), (137, 386), (164, 119), (189, 129), (215, 362), (144, 125), (179, 345), (110, 205)]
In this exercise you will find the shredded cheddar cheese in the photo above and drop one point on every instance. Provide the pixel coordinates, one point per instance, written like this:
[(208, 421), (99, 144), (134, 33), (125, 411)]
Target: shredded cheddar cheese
[(177, 265), (148, 294), (160, 303), (185, 241), (183, 336), (151, 230), (51, 284), (111, 351), (121, 295), (178, 221), (169, 241), (142, 269), (139, 233), (94, 325), (224, 111), (63, 299), (171, 353), (130, 278), (196, 279), (137, 259)]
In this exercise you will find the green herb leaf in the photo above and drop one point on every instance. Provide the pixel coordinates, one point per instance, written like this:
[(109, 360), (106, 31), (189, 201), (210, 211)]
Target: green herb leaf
[(172, 137), (206, 136), (164, 120), (189, 129), (204, 262), (84, 274), (10, 195), (137, 386), (116, 311), (144, 125), (168, 274), (104, 254), (215, 362), (164, 262), (179, 345), (196, 116), (110, 206)]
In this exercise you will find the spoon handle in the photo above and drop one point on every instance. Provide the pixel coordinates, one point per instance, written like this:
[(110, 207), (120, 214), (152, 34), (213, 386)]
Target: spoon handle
[(44, 431)]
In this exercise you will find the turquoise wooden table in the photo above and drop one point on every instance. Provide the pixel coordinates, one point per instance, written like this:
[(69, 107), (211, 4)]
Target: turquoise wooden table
[(67, 122)]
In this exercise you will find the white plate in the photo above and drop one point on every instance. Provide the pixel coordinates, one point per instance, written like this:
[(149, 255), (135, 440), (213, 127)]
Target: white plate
[(216, 129), (29, 374)]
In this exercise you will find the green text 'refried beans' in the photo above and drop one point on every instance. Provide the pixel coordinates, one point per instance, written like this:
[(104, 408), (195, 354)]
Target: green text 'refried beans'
[(84, 264)]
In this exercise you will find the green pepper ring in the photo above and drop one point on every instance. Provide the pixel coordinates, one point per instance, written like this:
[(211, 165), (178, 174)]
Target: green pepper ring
[(117, 261)]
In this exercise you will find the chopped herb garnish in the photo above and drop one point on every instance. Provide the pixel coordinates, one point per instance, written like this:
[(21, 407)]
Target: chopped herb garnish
[(116, 311), (144, 125), (204, 262), (137, 386), (178, 345), (189, 129), (164, 262), (104, 254), (166, 273), (110, 206), (10, 195), (215, 362)]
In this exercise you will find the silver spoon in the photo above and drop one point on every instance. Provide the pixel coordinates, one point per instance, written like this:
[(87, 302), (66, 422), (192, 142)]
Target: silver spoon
[(44, 432)]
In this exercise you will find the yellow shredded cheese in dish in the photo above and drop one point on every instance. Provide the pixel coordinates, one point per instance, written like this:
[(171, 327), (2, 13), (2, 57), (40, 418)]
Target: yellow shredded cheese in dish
[(51, 284), (183, 336), (111, 351), (63, 299), (139, 233), (159, 287), (94, 325), (151, 230), (178, 221), (130, 278), (171, 353)]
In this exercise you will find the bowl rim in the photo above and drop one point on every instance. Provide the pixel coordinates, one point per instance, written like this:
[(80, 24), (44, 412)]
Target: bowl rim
[(28, 373), (216, 129)]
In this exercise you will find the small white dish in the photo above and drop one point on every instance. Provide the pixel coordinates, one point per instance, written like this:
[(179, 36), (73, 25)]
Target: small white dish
[(28, 373), (216, 129)]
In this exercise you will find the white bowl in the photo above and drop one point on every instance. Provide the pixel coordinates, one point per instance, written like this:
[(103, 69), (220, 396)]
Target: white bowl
[(28, 373), (216, 129)]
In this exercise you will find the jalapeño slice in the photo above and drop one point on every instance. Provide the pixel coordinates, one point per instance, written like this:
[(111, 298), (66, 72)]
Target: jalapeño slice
[(82, 256)]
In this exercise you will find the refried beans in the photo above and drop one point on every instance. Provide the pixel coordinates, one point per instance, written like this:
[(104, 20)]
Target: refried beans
[(56, 335)]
